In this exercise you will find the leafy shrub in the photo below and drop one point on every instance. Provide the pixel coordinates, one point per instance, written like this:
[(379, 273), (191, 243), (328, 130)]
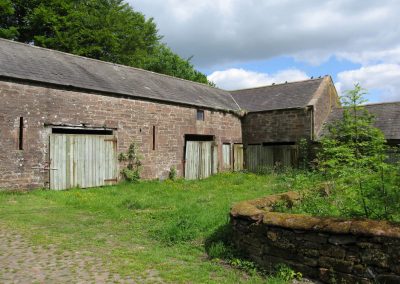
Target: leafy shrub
[(354, 152), (353, 177), (172, 173), (246, 265), (285, 273), (133, 162)]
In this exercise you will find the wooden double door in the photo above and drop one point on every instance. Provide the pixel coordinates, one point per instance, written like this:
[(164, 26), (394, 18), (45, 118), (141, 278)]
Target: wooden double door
[(78, 160)]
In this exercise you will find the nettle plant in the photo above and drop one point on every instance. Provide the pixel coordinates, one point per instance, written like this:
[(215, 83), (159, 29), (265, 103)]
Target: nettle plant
[(133, 162), (355, 153)]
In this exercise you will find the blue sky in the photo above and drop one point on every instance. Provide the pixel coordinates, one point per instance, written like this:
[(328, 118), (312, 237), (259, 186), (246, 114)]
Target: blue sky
[(250, 43), (273, 65)]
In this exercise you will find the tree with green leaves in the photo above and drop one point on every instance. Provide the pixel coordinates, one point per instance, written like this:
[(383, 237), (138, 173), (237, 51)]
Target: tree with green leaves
[(108, 30), (165, 61), (352, 141), (355, 151)]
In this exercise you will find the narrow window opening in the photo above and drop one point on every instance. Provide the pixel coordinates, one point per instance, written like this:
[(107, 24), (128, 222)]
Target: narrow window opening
[(195, 137), (154, 137), (200, 114), (21, 134)]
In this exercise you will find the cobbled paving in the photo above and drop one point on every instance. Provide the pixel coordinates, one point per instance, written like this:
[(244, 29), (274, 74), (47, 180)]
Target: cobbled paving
[(22, 262)]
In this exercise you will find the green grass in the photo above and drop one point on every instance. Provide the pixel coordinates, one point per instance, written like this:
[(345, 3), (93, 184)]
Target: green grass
[(140, 227), (341, 197)]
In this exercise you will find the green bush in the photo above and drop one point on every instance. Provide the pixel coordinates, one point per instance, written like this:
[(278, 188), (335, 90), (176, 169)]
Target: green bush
[(133, 162), (285, 273), (354, 178), (172, 173)]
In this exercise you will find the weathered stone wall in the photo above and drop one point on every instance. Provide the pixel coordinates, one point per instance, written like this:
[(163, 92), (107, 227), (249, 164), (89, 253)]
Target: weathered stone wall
[(325, 99), (277, 126), (133, 120), (328, 249)]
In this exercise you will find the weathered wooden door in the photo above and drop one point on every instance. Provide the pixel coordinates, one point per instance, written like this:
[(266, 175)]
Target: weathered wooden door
[(226, 156), (261, 158), (238, 157), (79, 160), (199, 159)]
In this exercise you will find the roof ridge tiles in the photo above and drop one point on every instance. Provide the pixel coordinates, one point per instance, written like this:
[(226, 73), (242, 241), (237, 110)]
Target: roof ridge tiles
[(61, 68), (107, 62), (381, 103), (279, 84)]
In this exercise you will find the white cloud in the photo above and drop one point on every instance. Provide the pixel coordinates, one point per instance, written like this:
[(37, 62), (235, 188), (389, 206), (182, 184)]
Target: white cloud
[(381, 77), (220, 31), (226, 33), (233, 79), (372, 57)]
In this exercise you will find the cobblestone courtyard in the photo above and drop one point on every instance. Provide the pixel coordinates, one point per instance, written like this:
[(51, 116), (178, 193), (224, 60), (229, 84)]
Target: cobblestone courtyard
[(22, 262)]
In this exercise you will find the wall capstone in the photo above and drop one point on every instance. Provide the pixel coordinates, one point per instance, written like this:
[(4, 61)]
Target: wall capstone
[(332, 250)]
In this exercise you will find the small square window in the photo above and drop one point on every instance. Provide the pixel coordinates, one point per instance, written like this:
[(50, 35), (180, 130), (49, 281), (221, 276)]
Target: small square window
[(200, 114)]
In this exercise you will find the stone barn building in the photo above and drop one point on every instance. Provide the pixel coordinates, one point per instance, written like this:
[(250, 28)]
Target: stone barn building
[(279, 116), (64, 119)]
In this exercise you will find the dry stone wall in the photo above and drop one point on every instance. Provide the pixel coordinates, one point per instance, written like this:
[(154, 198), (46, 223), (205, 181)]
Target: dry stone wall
[(328, 249)]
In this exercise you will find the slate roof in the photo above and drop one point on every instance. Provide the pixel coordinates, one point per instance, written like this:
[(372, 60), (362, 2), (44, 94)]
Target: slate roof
[(279, 96), (387, 118), (23, 61)]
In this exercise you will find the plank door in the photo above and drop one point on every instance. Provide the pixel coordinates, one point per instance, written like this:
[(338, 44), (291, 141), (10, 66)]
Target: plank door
[(79, 160), (254, 154), (199, 159), (238, 157), (226, 156), (259, 157)]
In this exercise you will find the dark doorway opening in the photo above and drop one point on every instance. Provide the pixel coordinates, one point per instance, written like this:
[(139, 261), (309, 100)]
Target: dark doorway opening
[(82, 131), (195, 137)]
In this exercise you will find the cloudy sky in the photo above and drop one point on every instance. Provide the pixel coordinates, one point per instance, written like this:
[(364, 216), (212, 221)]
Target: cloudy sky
[(248, 43)]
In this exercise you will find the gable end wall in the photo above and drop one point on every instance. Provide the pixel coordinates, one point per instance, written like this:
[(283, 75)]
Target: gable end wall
[(326, 99)]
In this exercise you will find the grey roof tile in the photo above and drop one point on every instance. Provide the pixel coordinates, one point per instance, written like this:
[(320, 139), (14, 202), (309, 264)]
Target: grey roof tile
[(387, 118), (27, 62), (280, 96)]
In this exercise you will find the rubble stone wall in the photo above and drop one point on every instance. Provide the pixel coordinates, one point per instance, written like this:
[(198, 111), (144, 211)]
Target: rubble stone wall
[(132, 120), (328, 249)]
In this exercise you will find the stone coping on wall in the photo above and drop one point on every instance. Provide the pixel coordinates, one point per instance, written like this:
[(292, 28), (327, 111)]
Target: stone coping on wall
[(332, 250), (259, 210)]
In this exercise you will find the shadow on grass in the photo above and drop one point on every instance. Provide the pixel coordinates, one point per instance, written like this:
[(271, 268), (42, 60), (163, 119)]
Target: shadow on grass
[(219, 247), (221, 236)]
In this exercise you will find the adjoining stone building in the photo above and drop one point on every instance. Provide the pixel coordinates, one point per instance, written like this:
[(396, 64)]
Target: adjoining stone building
[(64, 119), (386, 118), (279, 116)]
